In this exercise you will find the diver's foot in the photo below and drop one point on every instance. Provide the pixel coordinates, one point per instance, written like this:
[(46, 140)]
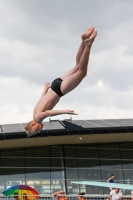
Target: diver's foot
[(88, 42), (87, 34)]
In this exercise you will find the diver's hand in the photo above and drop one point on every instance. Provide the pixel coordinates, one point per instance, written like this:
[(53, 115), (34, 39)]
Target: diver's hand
[(71, 112)]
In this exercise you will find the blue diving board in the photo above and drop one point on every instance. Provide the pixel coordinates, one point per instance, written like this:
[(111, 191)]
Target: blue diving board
[(104, 184)]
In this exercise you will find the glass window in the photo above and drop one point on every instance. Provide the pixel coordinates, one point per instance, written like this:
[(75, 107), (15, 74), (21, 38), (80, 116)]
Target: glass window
[(56, 162), (128, 176), (2, 184), (70, 163), (108, 145), (106, 190), (13, 152), (69, 152), (93, 189), (72, 188), (110, 164), (85, 163), (37, 162), (12, 162), (126, 145), (45, 187), (14, 173), (39, 151), (109, 153), (42, 186), (36, 173), (71, 174), (127, 164), (56, 151), (57, 185), (126, 154), (128, 180), (57, 174), (86, 153), (89, 174), (11, 176)]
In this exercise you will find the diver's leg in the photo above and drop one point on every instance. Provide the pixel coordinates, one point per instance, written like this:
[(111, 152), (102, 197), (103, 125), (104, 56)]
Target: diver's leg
[(74, 79), (84, 36)]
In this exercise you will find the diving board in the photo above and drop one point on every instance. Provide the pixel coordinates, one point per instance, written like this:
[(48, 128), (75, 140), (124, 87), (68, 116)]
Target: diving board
[(105, 184)]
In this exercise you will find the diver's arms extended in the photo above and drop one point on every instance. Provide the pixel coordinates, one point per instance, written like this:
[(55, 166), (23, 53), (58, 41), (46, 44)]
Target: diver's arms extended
[(50, 113), (46, 88)]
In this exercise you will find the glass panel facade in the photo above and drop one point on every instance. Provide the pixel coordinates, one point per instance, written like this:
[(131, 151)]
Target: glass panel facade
[(89, 174), (52, 168)]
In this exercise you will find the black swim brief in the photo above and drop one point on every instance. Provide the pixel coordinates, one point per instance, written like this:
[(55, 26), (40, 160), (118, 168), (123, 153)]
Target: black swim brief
[(56, 86)]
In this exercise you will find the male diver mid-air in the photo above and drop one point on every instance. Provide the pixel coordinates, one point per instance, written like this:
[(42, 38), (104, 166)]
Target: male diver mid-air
[(61, 86)]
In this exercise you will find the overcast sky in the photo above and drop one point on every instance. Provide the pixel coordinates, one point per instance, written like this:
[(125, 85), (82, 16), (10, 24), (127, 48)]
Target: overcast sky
[(39, 40)]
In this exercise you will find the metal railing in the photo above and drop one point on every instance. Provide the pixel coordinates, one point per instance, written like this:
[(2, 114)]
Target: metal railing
[(69, 197), (92, 197)]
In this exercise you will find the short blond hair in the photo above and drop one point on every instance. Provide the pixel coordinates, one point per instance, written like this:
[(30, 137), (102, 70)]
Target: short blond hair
[(28, 128)]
